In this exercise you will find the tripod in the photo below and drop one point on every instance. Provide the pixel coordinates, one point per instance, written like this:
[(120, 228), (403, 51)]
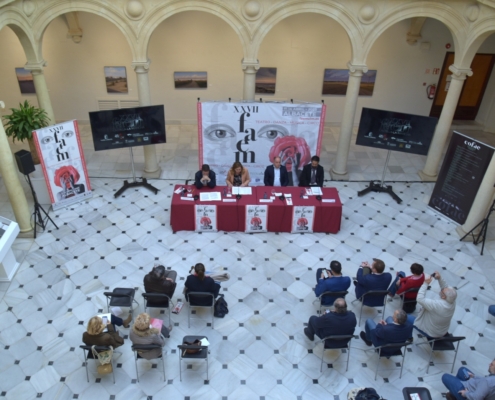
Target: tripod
[(37, 217), (481, 235)]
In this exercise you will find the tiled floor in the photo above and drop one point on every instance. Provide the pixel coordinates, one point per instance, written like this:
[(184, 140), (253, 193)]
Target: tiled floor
[(258, 351)]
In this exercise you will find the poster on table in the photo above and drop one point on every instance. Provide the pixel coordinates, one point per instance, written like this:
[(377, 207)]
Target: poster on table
[(62, 160), (205, 218), (459, 179), (256, 218), (255, 133), (303, 219)]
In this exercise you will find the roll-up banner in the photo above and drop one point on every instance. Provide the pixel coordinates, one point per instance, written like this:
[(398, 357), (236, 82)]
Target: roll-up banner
[(205, 218), (459, 179), (256, 218), (63, 164), (255, 133)]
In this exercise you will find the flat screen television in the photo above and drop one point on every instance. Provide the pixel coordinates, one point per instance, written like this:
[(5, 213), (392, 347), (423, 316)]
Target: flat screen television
[(128, 127), (396, 131)]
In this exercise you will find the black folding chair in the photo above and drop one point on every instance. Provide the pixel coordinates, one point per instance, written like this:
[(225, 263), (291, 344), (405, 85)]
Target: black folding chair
[(138, 349), (330, 294), (158, 300), (202, 354), (88, 355), (408, 305), (200, 300), (121, 297), (337, 342), (445, 343), (392, 350), (373, 296)]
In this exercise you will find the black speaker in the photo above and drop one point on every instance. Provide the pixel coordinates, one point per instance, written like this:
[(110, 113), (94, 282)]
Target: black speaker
[(24, 162)]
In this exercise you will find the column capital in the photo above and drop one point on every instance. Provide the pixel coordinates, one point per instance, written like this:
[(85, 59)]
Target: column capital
[(357, 69), (35, 67), (141, 67), (460, 73), (250, 66)]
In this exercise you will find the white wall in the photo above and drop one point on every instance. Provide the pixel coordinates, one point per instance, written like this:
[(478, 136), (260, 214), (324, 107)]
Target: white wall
[(486, 113), (300, 47)]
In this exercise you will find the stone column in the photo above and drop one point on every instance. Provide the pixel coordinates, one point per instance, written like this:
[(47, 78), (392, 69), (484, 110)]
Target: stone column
[(339, 170), (482, 201), (8, 170), (430, 171), (42, 93), (249, 68), (143, 86)]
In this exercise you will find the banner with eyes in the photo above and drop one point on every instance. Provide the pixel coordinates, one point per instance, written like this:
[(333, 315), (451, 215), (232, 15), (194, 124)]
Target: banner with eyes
[(255, 133), (62, 160)]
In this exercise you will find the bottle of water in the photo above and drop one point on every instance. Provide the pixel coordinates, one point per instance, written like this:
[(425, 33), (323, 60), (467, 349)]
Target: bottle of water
[(265, 196)]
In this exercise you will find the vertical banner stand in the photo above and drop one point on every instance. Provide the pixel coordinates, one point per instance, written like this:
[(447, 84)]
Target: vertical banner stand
[(134, 182), (380, 187), (480, 237)]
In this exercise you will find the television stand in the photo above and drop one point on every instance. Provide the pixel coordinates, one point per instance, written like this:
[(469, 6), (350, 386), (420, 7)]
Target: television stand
[(135, 182)]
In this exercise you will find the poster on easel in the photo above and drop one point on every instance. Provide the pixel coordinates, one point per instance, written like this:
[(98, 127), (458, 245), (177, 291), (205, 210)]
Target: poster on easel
[(459, 179), (205, 218), (256, 218), (303, 219), (62, 160)]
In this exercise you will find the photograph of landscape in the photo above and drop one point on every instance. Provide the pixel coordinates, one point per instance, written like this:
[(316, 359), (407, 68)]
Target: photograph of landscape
[(116, 80), (25, 79), (335, 82), (191, 80), (265, 80)]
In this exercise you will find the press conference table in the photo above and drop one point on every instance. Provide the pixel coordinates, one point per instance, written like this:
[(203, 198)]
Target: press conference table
[(231, 216)]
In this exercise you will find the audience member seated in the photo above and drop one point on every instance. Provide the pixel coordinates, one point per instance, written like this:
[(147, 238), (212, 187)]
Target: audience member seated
[(159, 280), (434, 318), (336, 322), (199, 282), (393, 330), (205, 177), (95, 335), (402, 284), (276, 174), (372, 278), (238, 175), (143, 333), (312, 174), (334, 283), (468, 386)]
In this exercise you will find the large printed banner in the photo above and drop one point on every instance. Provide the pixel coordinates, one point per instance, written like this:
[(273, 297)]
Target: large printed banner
[(205, 218), (256, 218), (254, 133), (459, 179), (62, 160), (303, 219)]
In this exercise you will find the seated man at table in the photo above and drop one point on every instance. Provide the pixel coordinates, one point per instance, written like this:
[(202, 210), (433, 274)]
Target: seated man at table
[(393, 330), (276, 174), (205, 177), (334, 283), (372, 278), (312, 174)]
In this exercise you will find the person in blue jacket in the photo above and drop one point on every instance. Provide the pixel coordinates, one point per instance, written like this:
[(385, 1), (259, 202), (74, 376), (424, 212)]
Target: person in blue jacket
[(372, 278), (335, 282), (395, 329), (205, 177)]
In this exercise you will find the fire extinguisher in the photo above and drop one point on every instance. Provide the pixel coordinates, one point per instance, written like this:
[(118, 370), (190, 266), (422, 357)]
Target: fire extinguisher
[(430, 91)]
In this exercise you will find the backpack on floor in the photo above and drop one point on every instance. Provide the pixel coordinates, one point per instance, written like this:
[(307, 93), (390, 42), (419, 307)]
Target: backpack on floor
[(221, 307), (363, 394)]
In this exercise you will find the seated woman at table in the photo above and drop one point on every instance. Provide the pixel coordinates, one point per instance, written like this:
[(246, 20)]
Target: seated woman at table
[(238, 175), (94, 335), (199, 282)]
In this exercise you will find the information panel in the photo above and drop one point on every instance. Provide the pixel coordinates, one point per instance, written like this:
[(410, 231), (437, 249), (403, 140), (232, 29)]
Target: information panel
[(463, 168)]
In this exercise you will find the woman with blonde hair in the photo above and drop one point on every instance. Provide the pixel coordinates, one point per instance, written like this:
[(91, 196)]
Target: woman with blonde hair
[(143, 333), (95, 334), (238, 175)]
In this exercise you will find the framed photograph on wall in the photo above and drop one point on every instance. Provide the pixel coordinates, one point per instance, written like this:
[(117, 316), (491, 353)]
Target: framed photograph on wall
[(191, 80), (335, 82), (25, 79), (266, 79), (116, 80)]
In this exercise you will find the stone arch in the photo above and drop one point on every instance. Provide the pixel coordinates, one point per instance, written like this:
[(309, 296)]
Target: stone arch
[(477, 36), (23, 31), (335, 11), (48, 13), (162, 12), (451, 18)]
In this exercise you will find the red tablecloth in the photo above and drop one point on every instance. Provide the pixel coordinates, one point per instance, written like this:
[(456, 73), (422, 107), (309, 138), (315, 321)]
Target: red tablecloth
[(232, 216)]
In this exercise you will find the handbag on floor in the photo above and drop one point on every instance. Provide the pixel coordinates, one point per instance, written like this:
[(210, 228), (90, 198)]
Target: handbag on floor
[(221, 307), (105, 360)]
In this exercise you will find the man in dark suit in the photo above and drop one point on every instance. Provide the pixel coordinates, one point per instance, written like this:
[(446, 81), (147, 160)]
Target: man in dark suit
[(312, 174), (276, 174), (337, 322), (205, 177), (334, 283), (372, 278), (393, 330)]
